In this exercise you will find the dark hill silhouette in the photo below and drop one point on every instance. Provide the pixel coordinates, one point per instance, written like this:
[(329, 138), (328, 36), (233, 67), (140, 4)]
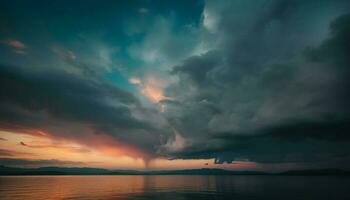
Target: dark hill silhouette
[(204, 171), (317, 172)]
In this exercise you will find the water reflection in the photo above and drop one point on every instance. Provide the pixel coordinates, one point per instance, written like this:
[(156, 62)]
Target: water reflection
[(173, 187)]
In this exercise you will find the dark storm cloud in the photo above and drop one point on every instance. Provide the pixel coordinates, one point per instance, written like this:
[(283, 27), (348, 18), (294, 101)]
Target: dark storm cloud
[(197, 67), (278, 79), (66, 97), (268, 149), (325, 130), (64, 104)]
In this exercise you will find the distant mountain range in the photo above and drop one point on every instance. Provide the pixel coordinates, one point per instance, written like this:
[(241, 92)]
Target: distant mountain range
[(205, 171)]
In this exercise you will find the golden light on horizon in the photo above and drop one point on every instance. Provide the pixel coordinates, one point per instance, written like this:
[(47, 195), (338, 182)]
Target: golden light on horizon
[(25, 146), (72, 154)]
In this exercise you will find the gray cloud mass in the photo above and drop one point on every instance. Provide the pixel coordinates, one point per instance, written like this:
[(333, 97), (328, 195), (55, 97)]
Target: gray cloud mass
[(279, 88)]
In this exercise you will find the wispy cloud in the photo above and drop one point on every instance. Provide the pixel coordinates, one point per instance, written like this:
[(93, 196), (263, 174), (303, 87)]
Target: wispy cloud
[(19, 162), (11, 153), (16, 45), (69, 148)]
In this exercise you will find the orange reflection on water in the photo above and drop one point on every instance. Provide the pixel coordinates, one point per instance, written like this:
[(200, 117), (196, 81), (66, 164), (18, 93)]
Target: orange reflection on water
[(97, 187)]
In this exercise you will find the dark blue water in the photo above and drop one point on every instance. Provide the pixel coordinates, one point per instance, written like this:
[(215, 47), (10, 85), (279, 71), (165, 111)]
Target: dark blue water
[(174, 187)]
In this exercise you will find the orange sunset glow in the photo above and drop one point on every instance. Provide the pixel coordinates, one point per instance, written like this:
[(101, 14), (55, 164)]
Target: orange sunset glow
[(40, 147)]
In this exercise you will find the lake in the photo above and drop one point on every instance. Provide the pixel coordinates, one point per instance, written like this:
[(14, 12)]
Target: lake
[(169, 187)]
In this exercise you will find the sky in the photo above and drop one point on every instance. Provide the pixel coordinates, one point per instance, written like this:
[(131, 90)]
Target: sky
[(232, 84)]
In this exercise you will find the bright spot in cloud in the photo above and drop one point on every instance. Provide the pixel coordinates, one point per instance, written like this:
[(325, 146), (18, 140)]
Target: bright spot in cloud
[(150, 87), (162, 108), (135, 81), (209, 21), (155, 94), (176, 144)]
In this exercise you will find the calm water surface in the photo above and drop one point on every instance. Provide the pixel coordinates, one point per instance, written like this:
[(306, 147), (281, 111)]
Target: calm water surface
[(173, 187)]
